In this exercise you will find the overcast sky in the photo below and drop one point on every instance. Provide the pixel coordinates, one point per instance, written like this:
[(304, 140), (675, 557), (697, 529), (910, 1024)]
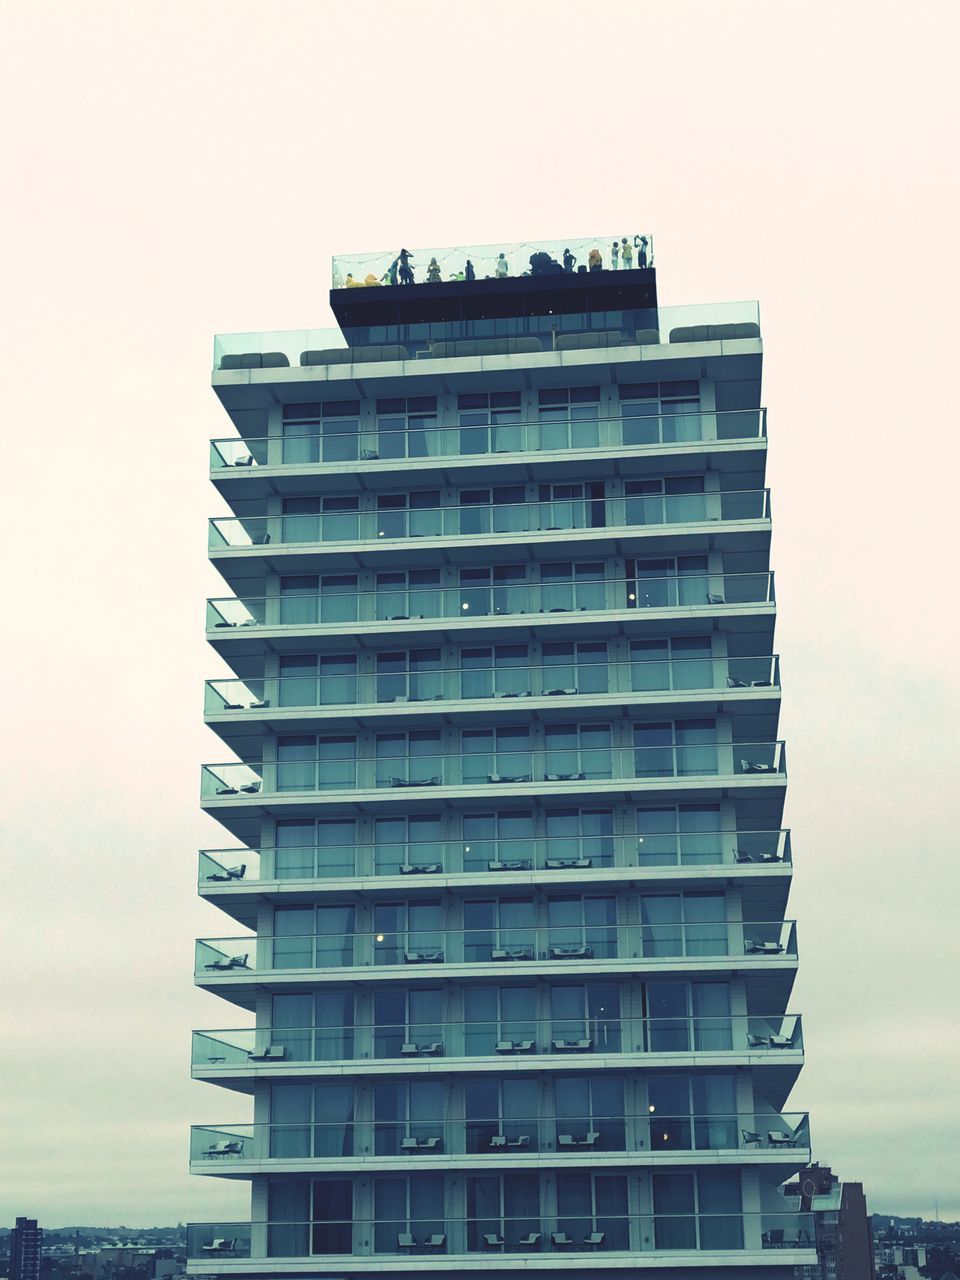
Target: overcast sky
[(178, 168)]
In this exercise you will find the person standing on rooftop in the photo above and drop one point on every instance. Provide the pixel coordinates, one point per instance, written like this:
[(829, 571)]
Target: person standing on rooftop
[(595, 260), (502, 269), (615, 255), (406, 271), (569, 260), (626, 253)]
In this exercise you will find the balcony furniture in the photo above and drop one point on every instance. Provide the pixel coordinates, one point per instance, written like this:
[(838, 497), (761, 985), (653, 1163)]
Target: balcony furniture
[(781, 1042), (226, 791), (435, 1242), (368, 454), (426, 869), (219, 1246), (589, 340), (714, 598), (752, 766), (229, 873), (243, 462), (560, 1238), (567, 1140), (514, 1046), (419, 1144), (734, 683), (532, 1241), (411, 1050), (260, 539), (757, 1042), (518, 864), (251, 788), (423, 957), (714, 332), (571, 953), (554, 693), (568, 864), (773, 1239), (255, 360), (753, 948), (595, 1239), (235, 962), (355, 355), (512, 953), (406, 1241), (416, 782), (758, 857), (508, 777), (564, 777), (269, 1053), (224, 1149), (780, 1138), (749, 1138), (572, 1046), (511, 693), (492, 1241)]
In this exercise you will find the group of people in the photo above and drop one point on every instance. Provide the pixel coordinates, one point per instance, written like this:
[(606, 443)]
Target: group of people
[(625, 251)]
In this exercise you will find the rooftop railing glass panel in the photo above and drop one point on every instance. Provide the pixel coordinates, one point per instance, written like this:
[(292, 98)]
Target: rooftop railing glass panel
[(416, 598), (738, 1034), (626, 332), (452, 857), (580, 675), (506, 947), (427, 439), (491, 520), (445, 1238), (491, 766), (512, 259)]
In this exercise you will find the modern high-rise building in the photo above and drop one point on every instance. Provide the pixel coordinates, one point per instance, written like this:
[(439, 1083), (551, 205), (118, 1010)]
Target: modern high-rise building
[(26, 1249), (509, 870)]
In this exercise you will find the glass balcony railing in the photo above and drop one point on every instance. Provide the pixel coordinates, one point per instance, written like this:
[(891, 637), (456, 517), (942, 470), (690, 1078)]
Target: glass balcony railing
[(484, 680), (507, 261), (448, 1239), (334, 441), (488, 520), (737, 1034), (510, 946), (491, 767), (477, 856), (339, 601), (627, 332), (500, 1137)]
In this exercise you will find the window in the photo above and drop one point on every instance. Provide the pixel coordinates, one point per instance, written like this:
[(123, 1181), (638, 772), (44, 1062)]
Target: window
[(407, 840), (332, 1216), (405, 932), (569, 417), (498, 1109), (577, 751), (317, 1027), (495, 671), (409, 515), (575, 668), (496, 929), (498, 838), (588, 1012), (582, 927), (665, 412), (684, 924), (580, 833), (667, 500), (407, 1206), (692, 1112), (311, 1120), (572, 506), (500, 589), (505, 1205), (313, 937), (409, 593), (497, 1014), (408, 1109), (407, 428), (688, 834), (412, 675), (306, 599), (592, 1204), (568, 585), (699, 1210), (681, 748), (490, 422), (685, 1015), (409, 759), (321, 432), (312, 680), (406, 1017), (308, 849), (332, 519), (502, 509), (678, 662), (496, 755), (659, 584), (324, 763), (591, 1104)]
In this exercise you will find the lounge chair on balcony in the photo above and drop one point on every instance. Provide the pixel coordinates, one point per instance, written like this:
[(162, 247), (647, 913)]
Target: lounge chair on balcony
[(782, 1042), (571, 953), (226, 791), (512, 953), (255, 360), (406, 1241), (595, 1239), (560, 1238), (564, 777), (515, 1046), (229, 873), (756, 766), (234, 962), (567, 1140), (567, 864), (751, 1139), (753, 948), (757, 1042), (219, 1246), (714, 598), (425, 869), (419, 1144), (781, 1138), (435, 1242), (269, 1053), (492, 1241), (423, 957), (251, 788), (508, 777), (572, 1046), (243, 462), (555, 693), (531, 1241), (432, 1050), (224, 1148), (517, 864), (416, 782), (773, 1239)]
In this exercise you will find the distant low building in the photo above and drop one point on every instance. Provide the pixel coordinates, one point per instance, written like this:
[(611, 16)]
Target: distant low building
[(843, 1237)]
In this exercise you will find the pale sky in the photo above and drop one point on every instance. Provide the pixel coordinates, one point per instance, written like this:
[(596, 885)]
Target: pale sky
[(176, 168)]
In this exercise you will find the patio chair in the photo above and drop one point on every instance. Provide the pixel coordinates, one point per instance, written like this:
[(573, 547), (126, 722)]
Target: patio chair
[(780, 1138), (531, 1241), (234, 962), (492, 1241), (227, 1147), (219, 1246), (560, 1238), (269, 1053), (229, 873), (749, 1138), (406, 1241), (435, 1242), (595, 1239)]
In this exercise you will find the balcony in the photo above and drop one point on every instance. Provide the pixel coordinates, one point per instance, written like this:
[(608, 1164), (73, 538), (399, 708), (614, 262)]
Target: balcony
[(395, 769), (516, 950), (481, 680), (538, 1241), (630, 334), (565, 1043), (521, 1141), (626, 518), (341, 604), (334, 444), (479, 859)]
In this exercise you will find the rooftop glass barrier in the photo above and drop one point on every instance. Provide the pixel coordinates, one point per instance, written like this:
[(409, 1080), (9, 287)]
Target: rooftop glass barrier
[(626, 331), (391, 438), (452, 1239), (341, 519), (479, 856), (416, 594), (500, 1138), (737, 1034), (402, 267), (516, 945), (399, 678), (395, 766)]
